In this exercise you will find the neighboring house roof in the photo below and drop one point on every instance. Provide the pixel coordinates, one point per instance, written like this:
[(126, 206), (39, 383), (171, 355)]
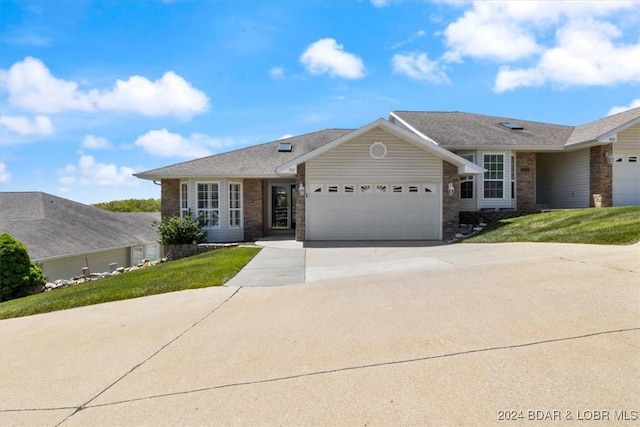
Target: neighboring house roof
[(258, 161), (457, 130), (599, 130), (464, 167), (52, 227)]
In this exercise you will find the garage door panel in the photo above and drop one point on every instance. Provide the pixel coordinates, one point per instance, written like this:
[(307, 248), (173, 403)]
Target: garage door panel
[(374, 212), (626, 179)]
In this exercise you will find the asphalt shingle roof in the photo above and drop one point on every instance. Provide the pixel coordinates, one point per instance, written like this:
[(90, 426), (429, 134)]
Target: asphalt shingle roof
[(467, 130), (51, 226), (593, 130), (258, 161), (462, 130)]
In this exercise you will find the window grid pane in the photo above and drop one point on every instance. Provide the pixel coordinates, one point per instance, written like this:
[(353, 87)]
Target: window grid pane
[(494, 176), (208, 202), (235, 206)]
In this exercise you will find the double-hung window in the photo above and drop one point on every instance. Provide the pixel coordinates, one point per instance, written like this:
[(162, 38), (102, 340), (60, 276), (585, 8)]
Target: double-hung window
[(184, 199), (208, 204), (494, 176), (235, 205), (513, 177), (466, 183)]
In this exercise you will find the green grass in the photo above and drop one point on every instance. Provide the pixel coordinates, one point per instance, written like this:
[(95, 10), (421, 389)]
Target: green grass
[(602, 226), (212, 268)]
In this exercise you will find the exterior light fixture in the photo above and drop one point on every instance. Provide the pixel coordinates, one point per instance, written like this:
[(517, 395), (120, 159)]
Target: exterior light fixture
[(609, 156), (301, 189), (451, 188)]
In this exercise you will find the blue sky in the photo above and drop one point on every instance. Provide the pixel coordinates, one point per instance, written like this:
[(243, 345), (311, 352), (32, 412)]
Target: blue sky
[(93, 91)]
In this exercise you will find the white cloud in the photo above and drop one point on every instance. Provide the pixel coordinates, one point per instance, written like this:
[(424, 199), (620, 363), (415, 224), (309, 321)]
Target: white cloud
[(619, 109), (327, 56), (163, 143), (380, 3), (96, 142), (276, 73), (413, 37), (569, 43), (40, 125), (287, 136), (170, 95), (5, 175), (88, 172), (585, 55), (419, 67), (31, 86)]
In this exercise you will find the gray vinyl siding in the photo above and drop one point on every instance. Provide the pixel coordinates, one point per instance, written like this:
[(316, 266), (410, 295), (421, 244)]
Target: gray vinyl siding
[(98, 262), (628, 141), (562, 179), (352, 162)]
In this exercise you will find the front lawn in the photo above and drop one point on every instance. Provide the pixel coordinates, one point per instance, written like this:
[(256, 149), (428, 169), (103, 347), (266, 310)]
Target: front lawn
[(212, 268), (603, 226)]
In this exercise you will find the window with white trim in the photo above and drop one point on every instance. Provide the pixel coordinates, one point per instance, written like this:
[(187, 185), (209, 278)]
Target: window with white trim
[(513, 177), (494, 176), (208, 204), (184, 199), (467, 182), (235, 205)]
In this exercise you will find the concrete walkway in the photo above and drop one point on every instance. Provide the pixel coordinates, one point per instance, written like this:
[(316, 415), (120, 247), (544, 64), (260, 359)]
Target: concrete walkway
[(542, 330)]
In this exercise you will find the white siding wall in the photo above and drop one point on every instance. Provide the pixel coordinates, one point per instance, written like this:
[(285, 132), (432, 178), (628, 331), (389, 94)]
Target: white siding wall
[(66, 268), (222, 233), (626, 171), (352, 162), (628, 141), (562, 179)]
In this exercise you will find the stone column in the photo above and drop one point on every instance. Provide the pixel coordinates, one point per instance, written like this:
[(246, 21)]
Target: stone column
[(301, 204), (601, 176), (450, 203), (526, 181), (170, 198), (253, 208)]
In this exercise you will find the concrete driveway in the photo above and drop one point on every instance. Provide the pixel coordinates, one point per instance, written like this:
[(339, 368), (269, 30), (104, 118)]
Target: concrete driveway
[(451, 335)]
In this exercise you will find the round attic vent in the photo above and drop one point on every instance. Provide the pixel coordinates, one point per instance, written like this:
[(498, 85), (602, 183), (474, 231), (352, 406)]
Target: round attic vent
[(378, 150)]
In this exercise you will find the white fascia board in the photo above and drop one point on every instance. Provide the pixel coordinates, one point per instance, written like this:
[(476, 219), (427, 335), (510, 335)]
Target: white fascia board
[(604, 138), (411, 128), (229, 176)]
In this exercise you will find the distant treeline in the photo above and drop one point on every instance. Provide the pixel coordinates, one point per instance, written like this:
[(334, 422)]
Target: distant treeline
[(131, 205)]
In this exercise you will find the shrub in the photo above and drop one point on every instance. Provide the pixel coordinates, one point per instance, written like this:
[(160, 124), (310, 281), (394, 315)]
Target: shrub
[(18, 274), (174, 230)]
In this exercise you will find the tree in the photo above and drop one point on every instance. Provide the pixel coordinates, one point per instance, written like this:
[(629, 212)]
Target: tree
[(174, 230), (18, 274), (131, 205)]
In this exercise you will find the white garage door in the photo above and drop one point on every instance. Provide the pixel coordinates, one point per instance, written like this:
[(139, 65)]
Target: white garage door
[(372, 211), (626, 179)]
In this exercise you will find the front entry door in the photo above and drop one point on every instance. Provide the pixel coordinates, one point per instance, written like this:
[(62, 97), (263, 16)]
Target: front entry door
[(282, 209)]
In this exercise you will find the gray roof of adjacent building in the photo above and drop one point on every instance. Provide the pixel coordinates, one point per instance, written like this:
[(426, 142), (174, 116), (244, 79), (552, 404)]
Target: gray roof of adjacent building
[(53, 227), (459, 130)]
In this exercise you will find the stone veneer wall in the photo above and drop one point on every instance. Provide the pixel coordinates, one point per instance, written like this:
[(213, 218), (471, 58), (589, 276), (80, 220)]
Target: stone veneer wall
[(301, 205), (253, 207), (170, 198), (450, 204), (600, 177), (526, 180)]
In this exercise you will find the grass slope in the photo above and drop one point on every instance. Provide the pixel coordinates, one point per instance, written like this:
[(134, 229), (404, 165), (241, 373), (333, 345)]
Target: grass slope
[(208, 269), (603, 226)]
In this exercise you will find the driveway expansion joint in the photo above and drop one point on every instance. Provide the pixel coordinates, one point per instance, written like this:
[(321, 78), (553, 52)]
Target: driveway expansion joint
[(173, 340), (366, 366)]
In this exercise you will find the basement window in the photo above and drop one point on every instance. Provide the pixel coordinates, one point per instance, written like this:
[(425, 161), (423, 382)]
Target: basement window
[(511, 125), (285, 147)]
